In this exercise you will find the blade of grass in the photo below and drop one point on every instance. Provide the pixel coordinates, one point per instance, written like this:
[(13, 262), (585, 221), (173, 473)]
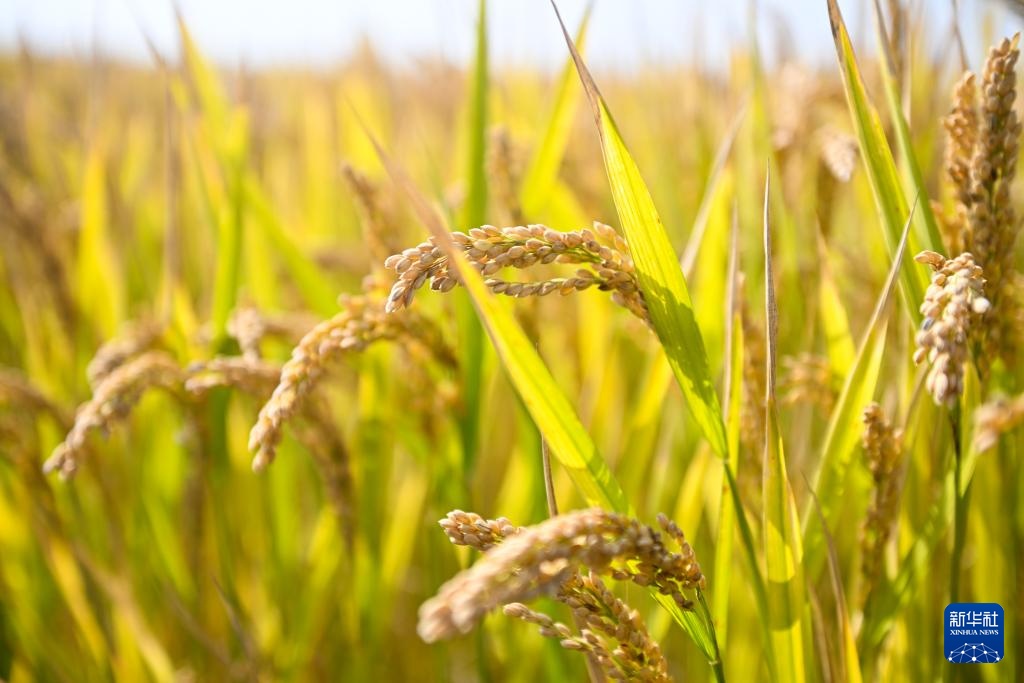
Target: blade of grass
[(658, 271), (844, 425), (783, 552), (882, 174)]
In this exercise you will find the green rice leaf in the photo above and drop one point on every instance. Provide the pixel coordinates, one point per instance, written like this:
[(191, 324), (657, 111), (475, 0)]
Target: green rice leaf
[(733, 391), (544, 400), (881, 168), (658, 271), (844, 427), (783, 549), (471, 335), (731, 511), (926, 228), (314, 286)]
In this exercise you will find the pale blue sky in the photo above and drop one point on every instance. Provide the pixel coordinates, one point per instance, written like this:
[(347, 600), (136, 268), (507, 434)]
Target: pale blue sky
[(523, 32)]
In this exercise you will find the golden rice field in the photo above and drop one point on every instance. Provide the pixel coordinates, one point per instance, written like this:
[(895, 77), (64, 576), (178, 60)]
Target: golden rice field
[(725, 387)]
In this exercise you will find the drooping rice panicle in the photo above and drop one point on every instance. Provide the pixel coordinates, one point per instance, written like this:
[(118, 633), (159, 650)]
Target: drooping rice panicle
[(490, 249), (362, 322), (470, 529), (134, 338), (539, 559), (625, 648), (609, 630), (112, 401), (632, 653), (882, 446), (251, 375), (249, 327), (953, 306), (995, 418)]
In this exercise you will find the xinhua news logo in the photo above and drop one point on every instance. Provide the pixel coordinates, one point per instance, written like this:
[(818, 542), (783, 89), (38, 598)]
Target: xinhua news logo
[(974, 633)]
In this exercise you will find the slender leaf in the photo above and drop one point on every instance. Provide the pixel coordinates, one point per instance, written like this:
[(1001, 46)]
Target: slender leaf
[(882, 174), (471, 335), (544, 400), (783, 552), (657, 266), (844, 426), (927, 231)]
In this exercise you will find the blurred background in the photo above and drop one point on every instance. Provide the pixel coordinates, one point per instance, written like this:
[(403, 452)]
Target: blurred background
[(319, 32), (185, 200)]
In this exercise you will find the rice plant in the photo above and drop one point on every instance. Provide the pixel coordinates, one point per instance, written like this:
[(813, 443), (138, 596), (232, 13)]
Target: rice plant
[(260, 331)]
